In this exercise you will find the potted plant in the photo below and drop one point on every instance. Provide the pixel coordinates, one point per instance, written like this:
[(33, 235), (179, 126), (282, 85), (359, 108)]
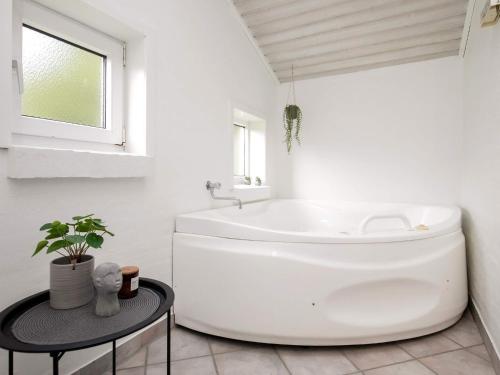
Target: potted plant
[(292, 118), (292, 122), (71, 274)]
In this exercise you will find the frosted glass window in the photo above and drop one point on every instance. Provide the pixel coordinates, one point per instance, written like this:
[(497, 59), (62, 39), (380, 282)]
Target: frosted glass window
[(239, 152), (62, 81)]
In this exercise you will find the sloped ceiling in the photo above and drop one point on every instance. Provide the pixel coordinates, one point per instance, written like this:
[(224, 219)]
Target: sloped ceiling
[(326, 37)]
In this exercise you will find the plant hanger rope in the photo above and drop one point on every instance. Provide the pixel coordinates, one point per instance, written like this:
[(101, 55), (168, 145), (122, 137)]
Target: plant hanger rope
[(292, 117), (291, 90)]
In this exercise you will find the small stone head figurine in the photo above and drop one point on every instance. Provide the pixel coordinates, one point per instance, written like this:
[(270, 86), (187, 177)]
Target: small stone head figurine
[(108, 282)]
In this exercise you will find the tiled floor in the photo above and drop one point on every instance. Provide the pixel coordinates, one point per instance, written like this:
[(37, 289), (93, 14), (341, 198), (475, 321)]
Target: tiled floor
[(457, 351)]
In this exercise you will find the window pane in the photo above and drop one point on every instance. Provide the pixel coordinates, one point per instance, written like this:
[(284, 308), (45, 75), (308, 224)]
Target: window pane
[(239, 150), (62, 82)]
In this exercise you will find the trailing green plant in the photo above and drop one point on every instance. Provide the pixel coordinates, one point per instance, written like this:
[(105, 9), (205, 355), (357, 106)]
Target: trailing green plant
[(73, 240), (292, 121), (292, 118)]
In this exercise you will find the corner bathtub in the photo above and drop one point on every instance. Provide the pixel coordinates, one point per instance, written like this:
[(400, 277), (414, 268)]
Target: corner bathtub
[(318, 273)]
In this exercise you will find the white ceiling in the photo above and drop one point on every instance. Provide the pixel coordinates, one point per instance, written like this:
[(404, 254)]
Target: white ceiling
[(326, 37)]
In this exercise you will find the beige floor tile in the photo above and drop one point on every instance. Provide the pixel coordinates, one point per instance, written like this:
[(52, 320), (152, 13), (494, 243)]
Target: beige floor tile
[(185, 344), (136, 360), (459, 362), (221, 345), (250, 362), (128, 371), (406, 368), (192, 366), (428, 345), (315, 361), (465, 332), (480, 350), (370, 356)]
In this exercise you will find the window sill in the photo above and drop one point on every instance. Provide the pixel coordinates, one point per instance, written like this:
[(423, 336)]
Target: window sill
[(250, 193), (36, 162)]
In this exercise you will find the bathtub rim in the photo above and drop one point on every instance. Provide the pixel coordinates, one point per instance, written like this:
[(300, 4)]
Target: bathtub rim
[(205, 225)]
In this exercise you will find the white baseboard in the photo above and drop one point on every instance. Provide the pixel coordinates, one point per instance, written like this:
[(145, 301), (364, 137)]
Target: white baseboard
[(485, 333)]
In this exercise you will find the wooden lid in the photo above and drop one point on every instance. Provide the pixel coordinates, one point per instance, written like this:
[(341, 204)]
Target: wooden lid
[(130, 270)]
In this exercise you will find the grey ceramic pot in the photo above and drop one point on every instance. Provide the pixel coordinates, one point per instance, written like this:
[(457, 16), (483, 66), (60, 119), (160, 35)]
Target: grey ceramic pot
[(70, 286)]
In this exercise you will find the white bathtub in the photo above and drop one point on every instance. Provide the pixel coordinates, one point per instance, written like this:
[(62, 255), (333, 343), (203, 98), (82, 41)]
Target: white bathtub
[(317, 273)]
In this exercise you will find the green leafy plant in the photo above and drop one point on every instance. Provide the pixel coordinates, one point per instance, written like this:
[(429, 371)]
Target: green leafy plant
[(292, 117), (72, 240), (292, 121)]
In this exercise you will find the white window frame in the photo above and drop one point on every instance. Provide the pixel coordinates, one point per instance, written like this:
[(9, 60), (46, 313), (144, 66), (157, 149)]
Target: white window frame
[(246, 167), (44, 19)]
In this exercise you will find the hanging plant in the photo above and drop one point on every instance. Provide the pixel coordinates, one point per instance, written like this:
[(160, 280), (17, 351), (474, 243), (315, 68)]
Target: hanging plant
[(292, 118)]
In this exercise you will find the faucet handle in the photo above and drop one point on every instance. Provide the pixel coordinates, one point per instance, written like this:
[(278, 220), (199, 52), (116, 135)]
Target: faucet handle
[(213, 185)]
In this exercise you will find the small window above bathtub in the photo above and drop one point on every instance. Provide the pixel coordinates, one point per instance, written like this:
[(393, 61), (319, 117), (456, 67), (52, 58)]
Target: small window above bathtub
[(249, 148), (240, 150)]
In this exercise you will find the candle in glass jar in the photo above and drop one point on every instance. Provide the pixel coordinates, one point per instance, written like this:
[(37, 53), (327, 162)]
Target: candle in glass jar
[(130, 286)]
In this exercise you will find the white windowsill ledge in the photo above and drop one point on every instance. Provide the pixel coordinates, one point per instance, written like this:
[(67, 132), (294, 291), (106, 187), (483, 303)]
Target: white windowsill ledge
[(250, 193), (38, 162)]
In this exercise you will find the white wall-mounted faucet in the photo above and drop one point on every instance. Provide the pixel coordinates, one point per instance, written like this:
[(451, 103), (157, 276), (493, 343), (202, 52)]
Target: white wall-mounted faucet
[(211, 186)]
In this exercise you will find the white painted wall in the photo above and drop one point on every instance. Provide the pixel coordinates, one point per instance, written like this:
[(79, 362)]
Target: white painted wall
[(204, 61), (390, 134), (480, 193)]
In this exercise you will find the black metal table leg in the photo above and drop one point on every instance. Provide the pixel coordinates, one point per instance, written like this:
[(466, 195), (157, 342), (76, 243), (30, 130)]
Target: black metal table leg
[(11, 362), (114, 357), (168, 342), (55, 362)]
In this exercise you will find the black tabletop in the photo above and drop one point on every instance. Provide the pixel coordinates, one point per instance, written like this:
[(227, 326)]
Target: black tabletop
[(10, 317)]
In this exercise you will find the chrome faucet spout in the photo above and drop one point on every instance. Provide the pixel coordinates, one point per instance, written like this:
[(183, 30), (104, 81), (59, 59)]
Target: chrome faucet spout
[(211, 186)]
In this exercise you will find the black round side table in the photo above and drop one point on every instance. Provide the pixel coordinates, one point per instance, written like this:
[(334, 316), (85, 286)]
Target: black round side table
[(31, 326)]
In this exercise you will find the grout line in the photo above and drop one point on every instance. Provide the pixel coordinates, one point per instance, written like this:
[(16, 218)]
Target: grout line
[(416, 358), (445, 352), (183, 359), (213, 356), (146, 360), (427, 367), (461, 345), (450, 351), (477, 355), (354, 372), (281, 359), (443, 333), (343, 352), (404, 350), (456, 342), (389, 364)]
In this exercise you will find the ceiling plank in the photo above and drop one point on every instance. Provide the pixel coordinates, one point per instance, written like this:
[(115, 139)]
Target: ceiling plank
[(277, 16), (261, 7), (392, 23), (373, 59), (367, 40), (382, 64), (394, 45), (257, 6), (362, 19)]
